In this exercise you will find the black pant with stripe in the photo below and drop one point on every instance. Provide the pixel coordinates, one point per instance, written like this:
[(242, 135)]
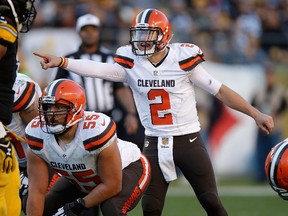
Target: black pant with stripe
[(194, 162), (64, 192)]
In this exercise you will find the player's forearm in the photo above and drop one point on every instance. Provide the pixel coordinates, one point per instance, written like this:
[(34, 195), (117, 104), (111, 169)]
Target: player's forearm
[(125, 97), (83, 67), (101, 193), (236, 102), (35, 205)]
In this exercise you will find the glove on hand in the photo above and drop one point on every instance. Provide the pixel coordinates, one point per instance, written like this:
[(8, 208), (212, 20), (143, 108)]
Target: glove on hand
[(74, 208), (8, 159)]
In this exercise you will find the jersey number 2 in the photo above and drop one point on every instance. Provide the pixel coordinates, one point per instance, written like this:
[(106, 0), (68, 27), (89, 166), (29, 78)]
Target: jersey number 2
[(158, 107)]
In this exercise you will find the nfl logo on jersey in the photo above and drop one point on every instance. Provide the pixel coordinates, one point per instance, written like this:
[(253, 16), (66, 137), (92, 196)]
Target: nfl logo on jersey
[(155, 73)]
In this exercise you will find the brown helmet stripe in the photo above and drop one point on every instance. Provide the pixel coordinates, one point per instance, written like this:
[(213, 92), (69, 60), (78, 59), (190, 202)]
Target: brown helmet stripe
[(144, 16), (51, 90)]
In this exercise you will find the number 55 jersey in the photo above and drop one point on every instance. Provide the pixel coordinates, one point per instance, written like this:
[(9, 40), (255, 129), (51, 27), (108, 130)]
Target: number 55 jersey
[(77, 160)]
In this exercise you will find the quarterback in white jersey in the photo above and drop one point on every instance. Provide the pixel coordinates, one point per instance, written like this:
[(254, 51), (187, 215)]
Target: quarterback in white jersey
[(166, 88), (162, 77), (83, 147)]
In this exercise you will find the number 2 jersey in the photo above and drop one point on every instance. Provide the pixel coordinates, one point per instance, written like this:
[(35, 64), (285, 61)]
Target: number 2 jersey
[(164, 93), (77, 161)]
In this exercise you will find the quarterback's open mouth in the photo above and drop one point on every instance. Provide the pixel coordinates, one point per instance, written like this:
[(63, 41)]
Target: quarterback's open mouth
[(145, 45)]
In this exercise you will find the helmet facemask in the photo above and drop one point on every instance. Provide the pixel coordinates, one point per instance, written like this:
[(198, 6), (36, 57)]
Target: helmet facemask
[(57, 116), (150, 32), (28, 16), (145, 41), (24, 14)]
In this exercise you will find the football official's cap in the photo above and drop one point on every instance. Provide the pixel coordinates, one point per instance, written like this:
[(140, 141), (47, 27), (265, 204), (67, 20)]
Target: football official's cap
[(87, 19)]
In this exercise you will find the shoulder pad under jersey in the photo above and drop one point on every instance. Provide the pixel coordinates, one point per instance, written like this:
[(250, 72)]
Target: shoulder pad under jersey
[(125, 57), (97, 129), (8, 33), (189, 55), (34, 134), (25, 93)]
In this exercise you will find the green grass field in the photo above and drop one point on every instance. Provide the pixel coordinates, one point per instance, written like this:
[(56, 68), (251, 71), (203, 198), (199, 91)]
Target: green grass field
[(240, 198), (236, 206)]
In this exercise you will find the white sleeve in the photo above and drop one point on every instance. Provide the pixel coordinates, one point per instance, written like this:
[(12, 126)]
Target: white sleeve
[(89, 68), (201, 78)]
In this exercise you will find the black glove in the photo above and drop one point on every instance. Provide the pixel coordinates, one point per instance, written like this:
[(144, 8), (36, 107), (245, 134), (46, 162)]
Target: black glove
[(74, 208)]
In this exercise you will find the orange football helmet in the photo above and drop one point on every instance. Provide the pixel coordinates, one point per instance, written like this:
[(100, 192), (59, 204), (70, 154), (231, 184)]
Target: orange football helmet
[(276, 168), (61, 97), (150, 32)]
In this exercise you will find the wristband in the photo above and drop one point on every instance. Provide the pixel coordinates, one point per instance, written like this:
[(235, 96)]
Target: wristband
[(63, 62)]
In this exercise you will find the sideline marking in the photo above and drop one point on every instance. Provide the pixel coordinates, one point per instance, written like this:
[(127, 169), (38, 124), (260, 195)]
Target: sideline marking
[(226, 191)]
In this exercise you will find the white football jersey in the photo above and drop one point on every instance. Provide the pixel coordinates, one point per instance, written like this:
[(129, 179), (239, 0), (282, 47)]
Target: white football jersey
[(164, 95), (25, 94), (78, 161)]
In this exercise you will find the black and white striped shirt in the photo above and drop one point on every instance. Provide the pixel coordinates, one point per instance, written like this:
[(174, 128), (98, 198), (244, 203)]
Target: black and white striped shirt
[(100, 93)]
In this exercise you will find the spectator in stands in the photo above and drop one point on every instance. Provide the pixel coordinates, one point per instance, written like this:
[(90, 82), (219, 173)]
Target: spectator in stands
[(102, 94), (272, 100)]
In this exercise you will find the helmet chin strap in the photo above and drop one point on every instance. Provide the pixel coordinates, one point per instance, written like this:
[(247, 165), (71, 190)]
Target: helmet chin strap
[(19, 25), (72, 122), (164, 45)]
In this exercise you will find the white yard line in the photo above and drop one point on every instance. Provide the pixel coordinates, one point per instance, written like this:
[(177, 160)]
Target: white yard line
[(226, 191)]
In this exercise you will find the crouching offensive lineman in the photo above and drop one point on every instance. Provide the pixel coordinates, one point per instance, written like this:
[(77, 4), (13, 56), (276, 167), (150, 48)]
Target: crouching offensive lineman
[(96, 167)]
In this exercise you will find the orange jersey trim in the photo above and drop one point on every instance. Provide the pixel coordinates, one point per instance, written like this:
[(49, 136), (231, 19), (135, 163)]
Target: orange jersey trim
[(190, 63), (124, 61), (34, 142), (100, 140), (25, 98)]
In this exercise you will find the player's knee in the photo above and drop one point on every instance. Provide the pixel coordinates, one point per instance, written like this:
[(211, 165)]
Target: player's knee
[(151, 205), (212, 204)]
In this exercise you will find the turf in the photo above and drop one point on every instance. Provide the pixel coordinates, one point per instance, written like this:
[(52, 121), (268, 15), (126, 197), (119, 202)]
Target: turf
[(236, 206), (240, 198)]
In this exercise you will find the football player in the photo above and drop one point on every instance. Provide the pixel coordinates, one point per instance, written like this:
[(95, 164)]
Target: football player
[(96, 167), (162, 77), (15, 16), (25, 108), (102, 94), (276, 167)]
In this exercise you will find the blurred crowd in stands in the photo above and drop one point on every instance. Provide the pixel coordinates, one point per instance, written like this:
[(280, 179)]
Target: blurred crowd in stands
[(228, 31)]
